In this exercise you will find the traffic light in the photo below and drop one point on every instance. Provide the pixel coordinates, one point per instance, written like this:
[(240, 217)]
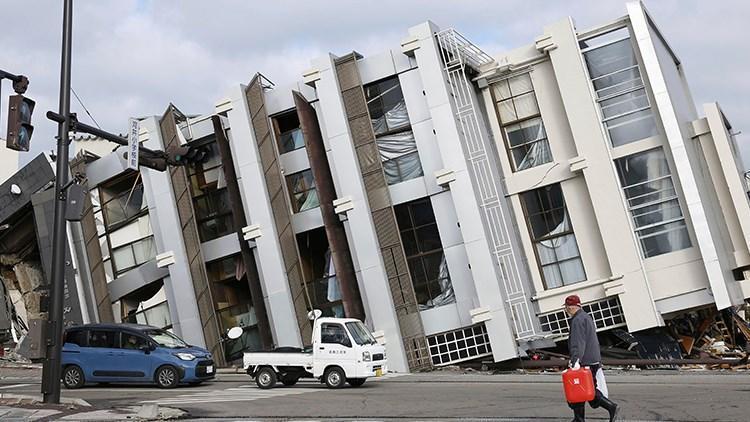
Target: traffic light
[(19, 123), (150, 160), (186, 154)]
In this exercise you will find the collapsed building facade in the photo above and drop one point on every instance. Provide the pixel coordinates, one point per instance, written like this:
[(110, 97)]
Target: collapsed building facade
[(448, 198)]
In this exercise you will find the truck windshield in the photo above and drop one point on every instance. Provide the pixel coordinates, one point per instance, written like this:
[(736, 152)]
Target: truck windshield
[(360, 333), (166, 339)]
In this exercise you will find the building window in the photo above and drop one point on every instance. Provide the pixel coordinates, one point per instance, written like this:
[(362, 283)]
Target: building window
[(302, 191), (424, 254), (552, 235), (393, 134), (517, 108), (123, 225), (132, 255), (606, 313), (288, 132), (653, 203), (213, 212), (233, 304), (319, 273), (620, 92)]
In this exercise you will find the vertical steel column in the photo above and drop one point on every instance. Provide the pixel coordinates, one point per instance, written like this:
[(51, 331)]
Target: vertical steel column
[(238, 216), (340, 254), (51, 369)]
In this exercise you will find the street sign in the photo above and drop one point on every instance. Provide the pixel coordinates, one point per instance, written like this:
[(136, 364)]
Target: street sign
[(133, 128)]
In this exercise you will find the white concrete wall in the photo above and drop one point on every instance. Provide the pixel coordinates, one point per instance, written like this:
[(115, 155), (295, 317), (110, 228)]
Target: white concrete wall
[(255, 200), (179, 290)]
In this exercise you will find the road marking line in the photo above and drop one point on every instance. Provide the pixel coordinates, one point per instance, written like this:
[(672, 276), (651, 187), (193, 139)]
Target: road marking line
[(15, 386)]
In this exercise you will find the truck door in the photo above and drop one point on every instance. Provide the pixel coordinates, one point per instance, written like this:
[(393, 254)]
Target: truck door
[(334, 348)]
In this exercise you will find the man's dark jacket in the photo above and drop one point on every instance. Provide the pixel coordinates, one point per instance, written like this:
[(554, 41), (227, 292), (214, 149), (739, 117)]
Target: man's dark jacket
[(583, 343)]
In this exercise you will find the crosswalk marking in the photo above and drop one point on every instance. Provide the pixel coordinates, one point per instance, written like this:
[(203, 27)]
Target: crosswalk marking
[(247, 393), (241, 393)]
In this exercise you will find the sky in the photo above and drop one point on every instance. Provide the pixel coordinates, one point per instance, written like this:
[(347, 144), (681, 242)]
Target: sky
[(134, 57)]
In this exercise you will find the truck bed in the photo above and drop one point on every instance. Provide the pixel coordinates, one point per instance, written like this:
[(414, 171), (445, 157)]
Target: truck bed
[(299, 359)]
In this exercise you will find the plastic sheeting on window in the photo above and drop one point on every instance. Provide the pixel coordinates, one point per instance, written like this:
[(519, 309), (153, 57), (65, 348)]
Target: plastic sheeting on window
[(447, 295), (539, 152), (392, 119), (334, 289), (400, 158)]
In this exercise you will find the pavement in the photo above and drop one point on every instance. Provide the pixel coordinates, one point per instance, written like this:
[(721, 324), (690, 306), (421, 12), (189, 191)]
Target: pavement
[(436, 396)]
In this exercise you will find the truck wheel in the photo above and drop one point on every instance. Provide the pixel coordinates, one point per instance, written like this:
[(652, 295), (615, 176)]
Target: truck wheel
[(72, 377), (167, 377), (334, 377), (356, 382), (289, 380), (265, 378)]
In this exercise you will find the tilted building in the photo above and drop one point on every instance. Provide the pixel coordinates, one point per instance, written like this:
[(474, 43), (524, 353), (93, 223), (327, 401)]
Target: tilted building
[(449, 198)]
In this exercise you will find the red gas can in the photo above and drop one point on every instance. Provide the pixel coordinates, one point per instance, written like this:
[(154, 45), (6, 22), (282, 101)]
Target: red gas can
[(578, 385)]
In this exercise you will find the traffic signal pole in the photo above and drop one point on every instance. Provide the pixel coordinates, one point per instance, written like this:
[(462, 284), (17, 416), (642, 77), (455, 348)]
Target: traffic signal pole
[(54, 329)]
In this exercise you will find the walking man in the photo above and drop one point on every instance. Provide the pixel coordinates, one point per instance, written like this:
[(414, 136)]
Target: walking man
[(584, 351)]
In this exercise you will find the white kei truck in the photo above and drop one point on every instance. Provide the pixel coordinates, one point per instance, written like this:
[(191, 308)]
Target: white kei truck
[(343, 351)]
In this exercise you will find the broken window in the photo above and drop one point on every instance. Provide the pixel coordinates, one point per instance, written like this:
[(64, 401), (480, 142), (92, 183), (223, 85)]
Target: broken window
[(517, 108), (123, 224), (302, 191), (233, 304), (288, 132), (393, 134), (213, 212), (552, 234), (653, 202), (620, 92), (424, 254), (319, 273)]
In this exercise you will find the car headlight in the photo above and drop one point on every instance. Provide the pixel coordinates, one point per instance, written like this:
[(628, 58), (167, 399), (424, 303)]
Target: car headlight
[(185, 356), (366, 356)]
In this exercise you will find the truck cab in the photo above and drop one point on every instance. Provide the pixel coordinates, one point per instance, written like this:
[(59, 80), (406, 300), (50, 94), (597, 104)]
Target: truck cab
[(343, 351)]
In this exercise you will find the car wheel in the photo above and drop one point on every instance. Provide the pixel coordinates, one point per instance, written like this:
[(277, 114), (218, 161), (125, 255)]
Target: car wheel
[(289, 380), (334, 377), (356, 382), (72, 377), (167, 377), (265, 378)]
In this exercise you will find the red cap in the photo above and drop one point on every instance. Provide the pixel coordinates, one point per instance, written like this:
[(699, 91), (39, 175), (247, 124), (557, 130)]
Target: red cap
[(573, 300)]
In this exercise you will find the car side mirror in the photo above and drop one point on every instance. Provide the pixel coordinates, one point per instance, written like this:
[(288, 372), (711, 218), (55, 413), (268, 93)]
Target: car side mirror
[(146, 348), (346, 342)]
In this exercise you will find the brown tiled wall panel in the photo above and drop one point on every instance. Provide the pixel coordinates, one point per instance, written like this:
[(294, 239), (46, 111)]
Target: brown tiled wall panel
[(368, 157), (274, 180), (384, 219), (186, 214)]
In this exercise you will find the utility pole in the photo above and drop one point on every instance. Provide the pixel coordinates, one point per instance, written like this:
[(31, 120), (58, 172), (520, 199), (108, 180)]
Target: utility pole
[(54, 329)]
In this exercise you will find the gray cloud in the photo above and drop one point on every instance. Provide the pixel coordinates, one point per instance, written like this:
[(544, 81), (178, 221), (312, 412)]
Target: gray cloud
[(134, 57)]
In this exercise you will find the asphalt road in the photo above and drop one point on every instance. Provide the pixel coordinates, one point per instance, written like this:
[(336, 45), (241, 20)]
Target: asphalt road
[(434, 396)]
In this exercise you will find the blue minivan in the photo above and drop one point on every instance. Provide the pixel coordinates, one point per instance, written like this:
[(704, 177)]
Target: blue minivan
[(131, 353)]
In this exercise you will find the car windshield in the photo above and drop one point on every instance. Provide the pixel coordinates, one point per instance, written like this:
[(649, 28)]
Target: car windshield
[(360, 333), (166, 339)]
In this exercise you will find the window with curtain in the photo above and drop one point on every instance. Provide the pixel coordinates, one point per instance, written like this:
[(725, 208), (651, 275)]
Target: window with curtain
[(424, 254), (393, 134), (653, 202), (213, 212), (620, 92), (552, 234), (525, 137), (302, 191)]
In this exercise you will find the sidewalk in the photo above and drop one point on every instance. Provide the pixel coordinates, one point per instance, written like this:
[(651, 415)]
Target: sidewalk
[(17, 407)]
